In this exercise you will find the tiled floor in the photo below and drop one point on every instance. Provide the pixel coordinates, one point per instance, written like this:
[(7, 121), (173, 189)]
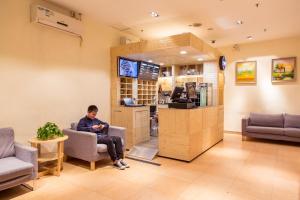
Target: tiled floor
[(256, 170)]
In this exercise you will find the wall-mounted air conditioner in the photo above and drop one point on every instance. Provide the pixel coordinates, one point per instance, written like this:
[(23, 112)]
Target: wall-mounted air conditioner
[(45, 16)]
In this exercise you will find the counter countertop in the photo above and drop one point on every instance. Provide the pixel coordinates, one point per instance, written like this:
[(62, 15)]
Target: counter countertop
[(166, 107)]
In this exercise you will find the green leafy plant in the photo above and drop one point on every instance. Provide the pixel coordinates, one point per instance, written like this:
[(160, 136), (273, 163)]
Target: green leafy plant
[(49, 131)]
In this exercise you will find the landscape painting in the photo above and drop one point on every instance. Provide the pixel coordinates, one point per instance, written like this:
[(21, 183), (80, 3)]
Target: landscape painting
[(246, 72), (284, 69)]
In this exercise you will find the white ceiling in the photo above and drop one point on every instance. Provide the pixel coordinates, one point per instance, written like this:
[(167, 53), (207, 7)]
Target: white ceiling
[(281, 18)]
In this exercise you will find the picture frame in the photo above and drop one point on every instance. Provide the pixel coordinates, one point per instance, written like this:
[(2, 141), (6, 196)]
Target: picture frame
[(246, 73), (284, 70)]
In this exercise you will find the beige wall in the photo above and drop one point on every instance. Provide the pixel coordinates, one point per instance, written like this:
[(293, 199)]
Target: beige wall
[(45, 75), (264, 97)]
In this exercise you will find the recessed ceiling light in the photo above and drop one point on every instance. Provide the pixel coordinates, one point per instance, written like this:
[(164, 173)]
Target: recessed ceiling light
[(200, 59), (154, 14), (196, 24), (258, 4), (249, 37), (183, 52), (150, 61), (239, 22), (161, 64)]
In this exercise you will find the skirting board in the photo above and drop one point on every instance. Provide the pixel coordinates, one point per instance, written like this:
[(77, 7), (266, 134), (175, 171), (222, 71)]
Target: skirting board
[(233, 132)]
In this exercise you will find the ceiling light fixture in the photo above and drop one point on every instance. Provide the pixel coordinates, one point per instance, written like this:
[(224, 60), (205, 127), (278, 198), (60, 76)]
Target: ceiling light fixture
[(162, 64), (200, 59), (210, 29), (183, 52), (196, 24), (154, 14), (150, 61), (250, 37), (258, 4), (239, 22)]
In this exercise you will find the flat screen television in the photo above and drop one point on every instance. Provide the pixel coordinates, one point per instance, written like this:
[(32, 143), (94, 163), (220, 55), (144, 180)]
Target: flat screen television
[(148, 71), (127, 67)]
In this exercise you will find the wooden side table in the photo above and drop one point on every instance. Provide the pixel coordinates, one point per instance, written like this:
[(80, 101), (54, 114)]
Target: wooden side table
[(48, 157)]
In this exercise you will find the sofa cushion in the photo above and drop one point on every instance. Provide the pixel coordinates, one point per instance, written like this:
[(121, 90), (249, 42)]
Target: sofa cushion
[(256, 119), (265, 130), (292, 132), (102, 148), (7, 148), (291, 121), (11, 168), (74, 126)]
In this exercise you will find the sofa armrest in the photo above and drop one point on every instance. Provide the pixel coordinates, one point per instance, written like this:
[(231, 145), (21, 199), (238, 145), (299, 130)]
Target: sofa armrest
[(245, 122), (82, 145), (28, 154), (118, 131)]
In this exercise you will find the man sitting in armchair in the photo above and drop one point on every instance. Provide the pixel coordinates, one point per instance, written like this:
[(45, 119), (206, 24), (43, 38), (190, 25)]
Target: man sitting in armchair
[(90, 123)]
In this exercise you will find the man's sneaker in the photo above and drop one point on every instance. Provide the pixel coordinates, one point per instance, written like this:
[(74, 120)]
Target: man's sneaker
[(124, 163), (119, 165)]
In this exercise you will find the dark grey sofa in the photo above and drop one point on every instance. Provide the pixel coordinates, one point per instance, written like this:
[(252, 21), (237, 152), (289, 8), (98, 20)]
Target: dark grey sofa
[(275, 127), (83, 145), (18, 163)]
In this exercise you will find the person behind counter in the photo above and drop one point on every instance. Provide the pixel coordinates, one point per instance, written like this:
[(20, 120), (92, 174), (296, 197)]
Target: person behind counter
[(90, 123)]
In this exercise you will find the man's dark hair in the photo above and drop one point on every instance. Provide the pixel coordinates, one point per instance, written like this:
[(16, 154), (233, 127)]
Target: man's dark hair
[(92, 108)]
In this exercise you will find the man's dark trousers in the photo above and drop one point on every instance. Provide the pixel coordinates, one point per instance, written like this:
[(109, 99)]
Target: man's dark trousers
[(114, 146)]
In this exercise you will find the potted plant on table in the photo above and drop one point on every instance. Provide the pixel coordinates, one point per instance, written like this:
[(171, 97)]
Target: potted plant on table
[(49, 131)]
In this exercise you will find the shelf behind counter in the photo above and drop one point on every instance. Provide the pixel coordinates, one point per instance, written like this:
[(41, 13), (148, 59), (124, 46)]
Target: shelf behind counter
[(186, 133)]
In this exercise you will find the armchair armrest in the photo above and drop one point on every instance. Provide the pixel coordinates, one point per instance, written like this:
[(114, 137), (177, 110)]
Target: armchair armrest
[(245, 122), (82, 145), (118, 131), (28, 154)]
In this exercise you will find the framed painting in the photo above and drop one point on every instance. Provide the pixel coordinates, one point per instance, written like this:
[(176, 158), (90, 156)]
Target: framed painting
[(245, 72), (284, 70)]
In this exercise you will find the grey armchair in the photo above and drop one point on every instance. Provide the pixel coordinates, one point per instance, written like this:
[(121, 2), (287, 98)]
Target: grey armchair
[(18, 163), (83, 145)]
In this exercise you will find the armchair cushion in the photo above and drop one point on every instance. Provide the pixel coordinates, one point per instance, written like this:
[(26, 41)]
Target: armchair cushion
[(7, 148), (12, 168), (102, 148), (74, 126)]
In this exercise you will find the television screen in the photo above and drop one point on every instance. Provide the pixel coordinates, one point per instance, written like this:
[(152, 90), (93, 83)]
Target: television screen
[(128, 68), (148, 71)]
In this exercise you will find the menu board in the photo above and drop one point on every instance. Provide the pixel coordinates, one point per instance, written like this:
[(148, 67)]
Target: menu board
[(148, 71)]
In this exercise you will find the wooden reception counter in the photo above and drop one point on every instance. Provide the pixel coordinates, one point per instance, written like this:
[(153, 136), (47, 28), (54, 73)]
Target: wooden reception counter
[(186, 133), (136, 120)]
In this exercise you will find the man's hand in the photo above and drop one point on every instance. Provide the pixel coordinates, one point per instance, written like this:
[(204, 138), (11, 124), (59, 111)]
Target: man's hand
[(95, 127), (101, 126)]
